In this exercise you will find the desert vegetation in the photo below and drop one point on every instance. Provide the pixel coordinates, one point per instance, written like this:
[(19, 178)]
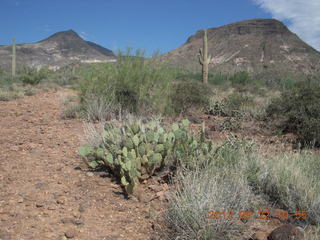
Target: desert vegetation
[(235, 173), (153, 119)]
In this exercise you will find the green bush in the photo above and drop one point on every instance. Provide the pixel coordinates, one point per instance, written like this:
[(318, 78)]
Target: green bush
[(213, 78), (135, 151), (297, 111), (30, 75), (188, 94), (218, 78), (133, 84), (240, 78)]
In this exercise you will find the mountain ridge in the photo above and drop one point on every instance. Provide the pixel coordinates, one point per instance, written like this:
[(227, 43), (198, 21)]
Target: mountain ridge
[(253, 45), (57, 50)]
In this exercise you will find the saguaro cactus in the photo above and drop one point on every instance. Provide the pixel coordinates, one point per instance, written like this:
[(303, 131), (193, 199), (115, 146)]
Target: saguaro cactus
[(13, 57), (204, 59)]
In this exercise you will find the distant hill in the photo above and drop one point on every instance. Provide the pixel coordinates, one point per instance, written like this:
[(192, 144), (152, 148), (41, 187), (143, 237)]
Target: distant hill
[(252, 45), (59, 49)]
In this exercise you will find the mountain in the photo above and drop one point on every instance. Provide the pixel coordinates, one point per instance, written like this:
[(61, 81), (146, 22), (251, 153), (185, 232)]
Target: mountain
[(59, 49), (253, 45)]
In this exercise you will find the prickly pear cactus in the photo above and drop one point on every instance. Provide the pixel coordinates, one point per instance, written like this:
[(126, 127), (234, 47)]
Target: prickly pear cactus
[(134, 152)]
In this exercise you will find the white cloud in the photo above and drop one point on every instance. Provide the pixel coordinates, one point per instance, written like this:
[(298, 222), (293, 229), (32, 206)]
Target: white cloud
[(303, 17)]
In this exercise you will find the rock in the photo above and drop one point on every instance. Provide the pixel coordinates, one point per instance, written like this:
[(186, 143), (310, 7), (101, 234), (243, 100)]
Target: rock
[(20, 200), (89, 174), (74, 221), (60, 201), (259, 236), (71, 233), (39, 204), (82, 207), (286, 232)]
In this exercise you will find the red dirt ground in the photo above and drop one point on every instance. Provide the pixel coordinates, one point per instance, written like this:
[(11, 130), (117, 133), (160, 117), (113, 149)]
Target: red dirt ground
[(45, 192)]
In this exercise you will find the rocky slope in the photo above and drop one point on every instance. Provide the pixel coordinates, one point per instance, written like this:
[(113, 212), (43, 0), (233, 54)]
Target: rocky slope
[(252, 45), (60, 49)]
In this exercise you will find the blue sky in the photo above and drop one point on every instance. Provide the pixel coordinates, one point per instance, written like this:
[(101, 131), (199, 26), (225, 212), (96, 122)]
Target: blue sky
[(148, 24)]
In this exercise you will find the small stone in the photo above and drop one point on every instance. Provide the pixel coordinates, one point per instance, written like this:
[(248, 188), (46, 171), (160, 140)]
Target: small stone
[(20, 200), (82, 207), (39, 205), (60, 201), (77, 222), (89, 174), (71, 233), (285, 232), (52, 207), (66, 220)]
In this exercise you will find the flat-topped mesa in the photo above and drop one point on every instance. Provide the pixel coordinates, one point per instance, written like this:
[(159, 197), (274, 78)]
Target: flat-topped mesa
[(253, 45), (254, 26)]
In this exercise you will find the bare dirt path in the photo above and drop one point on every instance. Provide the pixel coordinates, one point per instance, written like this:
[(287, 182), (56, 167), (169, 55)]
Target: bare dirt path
[(44, 194)]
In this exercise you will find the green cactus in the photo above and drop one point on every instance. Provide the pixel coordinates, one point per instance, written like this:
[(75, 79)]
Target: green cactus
[(128, 143), (133, 152), (108, 159), (142, 149), (14, 58), (150, 136), (136, 140), (204, 59), (135, 128), (159, 148)]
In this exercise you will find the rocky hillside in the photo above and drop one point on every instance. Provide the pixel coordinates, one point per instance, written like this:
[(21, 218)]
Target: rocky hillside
[(60, 49), (252, 45)]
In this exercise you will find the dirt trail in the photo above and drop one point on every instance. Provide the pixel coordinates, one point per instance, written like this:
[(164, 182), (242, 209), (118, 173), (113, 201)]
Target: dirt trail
[(44, 194)]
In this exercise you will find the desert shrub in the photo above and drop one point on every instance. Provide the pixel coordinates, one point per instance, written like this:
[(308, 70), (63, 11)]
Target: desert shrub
[(72, 110), (97, 108), (64, 77), (132, 83), (297, 111), (218, 78), (213, 77), (230, 106), (182, 75), (291, 182), (229, 124), (30, 75), (189, 94), (240, 78), (134, 151), (238, 177), (6, 95), (313, 233), (218, 185)]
